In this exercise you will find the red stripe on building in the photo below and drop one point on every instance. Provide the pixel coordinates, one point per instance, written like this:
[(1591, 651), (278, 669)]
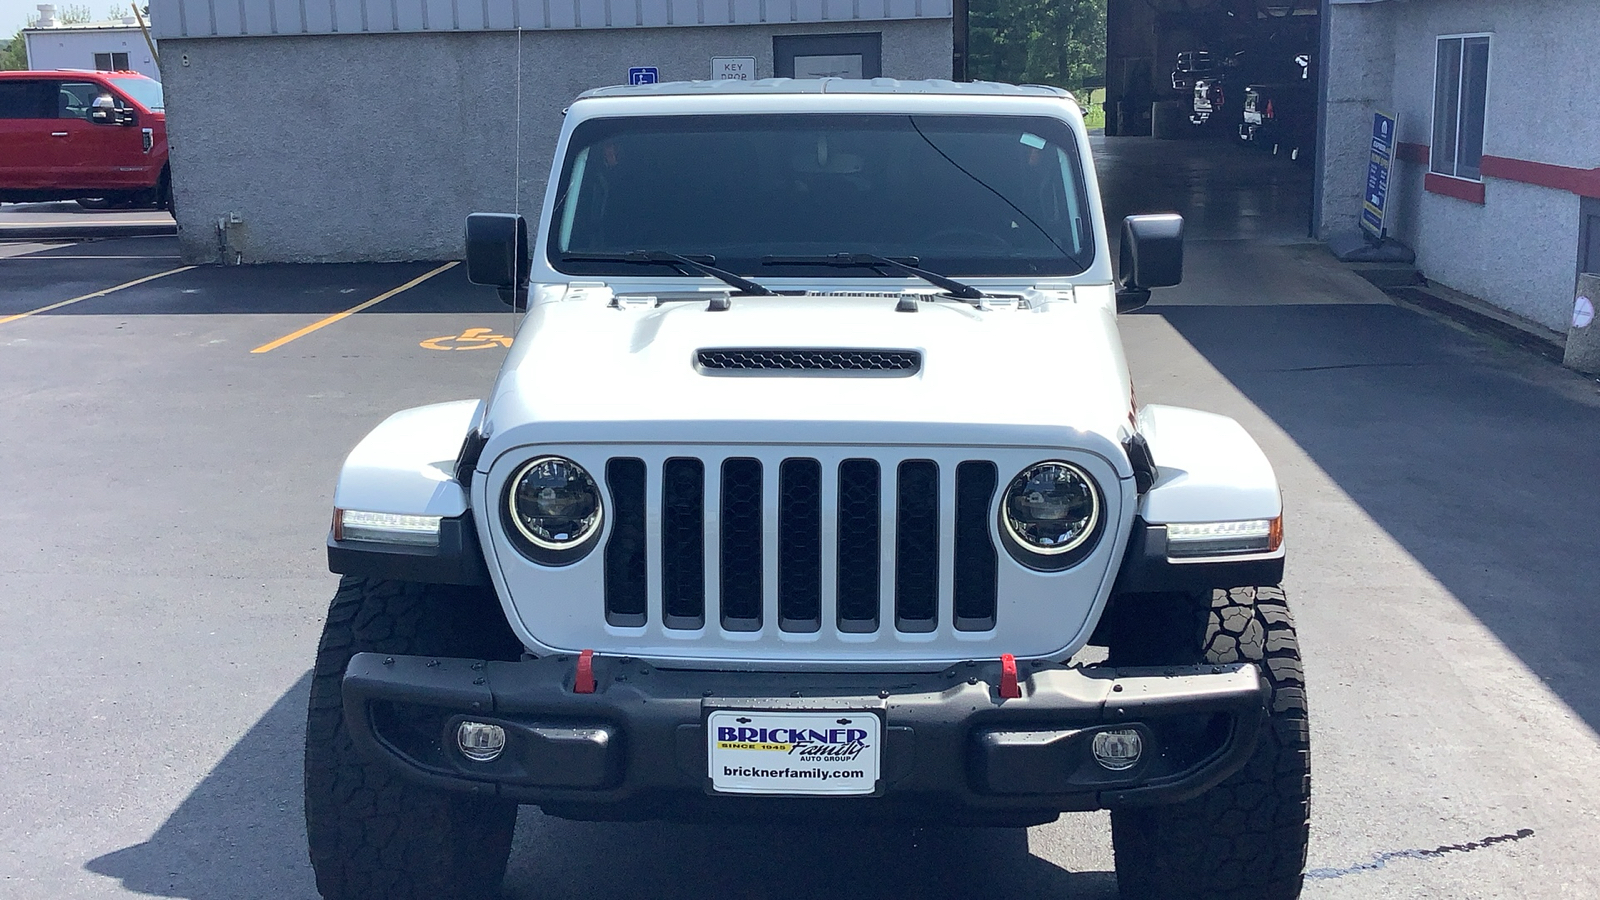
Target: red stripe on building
[(1583, 182), (1470, 191)]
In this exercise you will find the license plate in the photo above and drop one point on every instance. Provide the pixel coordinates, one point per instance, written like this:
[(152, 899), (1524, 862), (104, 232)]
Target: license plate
[(833, 754)]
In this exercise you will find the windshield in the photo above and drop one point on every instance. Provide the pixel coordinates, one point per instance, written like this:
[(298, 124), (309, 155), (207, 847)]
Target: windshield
[(146, 92), (961, 195)]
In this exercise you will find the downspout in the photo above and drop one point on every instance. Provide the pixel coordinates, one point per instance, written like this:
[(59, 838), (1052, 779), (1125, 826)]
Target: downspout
[(958, 28), (1319, 157)]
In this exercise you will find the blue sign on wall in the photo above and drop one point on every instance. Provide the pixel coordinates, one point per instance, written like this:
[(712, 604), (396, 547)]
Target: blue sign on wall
[(644, 75), (1378, 168)]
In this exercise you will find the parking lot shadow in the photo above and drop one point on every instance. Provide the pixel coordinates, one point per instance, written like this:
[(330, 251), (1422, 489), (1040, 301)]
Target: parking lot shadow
[(775, 861), (1479, 460), (240, 834)]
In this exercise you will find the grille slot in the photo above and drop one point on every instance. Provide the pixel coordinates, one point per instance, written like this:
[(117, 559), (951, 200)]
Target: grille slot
[(916, 578), (975, 574), (683, 543), (741, 543), (626, 579), (819, 361), (860, 549), (800, 545)]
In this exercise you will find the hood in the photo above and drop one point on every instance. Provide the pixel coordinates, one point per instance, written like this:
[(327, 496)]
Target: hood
[(590, 366)]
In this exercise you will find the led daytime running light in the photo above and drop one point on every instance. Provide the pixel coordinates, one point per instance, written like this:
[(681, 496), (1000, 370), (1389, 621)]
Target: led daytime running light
[(1191, 539), (387, 528)]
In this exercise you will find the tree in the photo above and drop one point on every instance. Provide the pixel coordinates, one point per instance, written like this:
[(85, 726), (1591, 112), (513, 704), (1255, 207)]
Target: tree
[(14, 53), (1059, 42)]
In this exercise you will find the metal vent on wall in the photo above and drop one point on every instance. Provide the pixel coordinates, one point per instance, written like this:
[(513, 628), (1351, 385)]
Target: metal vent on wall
[(819, 361)]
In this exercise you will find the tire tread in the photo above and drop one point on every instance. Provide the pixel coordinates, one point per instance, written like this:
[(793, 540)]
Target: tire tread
[(1245, 839), (372, 834)]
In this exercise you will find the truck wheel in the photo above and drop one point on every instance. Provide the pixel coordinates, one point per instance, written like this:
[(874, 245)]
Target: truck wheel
[(371, 833), (1246, 838)]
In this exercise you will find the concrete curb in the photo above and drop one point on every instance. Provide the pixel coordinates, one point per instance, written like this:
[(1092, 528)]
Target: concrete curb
[(1448, 304), (32, 232)]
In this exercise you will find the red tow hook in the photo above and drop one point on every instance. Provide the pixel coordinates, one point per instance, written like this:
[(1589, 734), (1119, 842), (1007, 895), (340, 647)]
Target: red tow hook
[(1009, 688), (583, 682)]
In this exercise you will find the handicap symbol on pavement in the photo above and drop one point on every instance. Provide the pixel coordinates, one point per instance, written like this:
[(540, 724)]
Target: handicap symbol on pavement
[(471, 339)]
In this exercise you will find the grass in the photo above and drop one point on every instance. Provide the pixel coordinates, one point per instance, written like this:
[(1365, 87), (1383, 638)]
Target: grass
[(1094, 115)]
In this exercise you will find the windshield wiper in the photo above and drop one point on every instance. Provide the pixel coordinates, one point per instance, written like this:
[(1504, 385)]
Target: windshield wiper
[(907, 265), (701, 264)]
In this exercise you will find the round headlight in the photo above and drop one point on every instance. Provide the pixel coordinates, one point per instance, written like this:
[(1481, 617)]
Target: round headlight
[(554, 503), (1051, 508)]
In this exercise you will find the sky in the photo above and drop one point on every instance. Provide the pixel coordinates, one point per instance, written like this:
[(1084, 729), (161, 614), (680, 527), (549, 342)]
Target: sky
[(14, 13)]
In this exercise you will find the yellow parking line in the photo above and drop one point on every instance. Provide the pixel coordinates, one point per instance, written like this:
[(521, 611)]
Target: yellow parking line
[(323, 323), (109, 290)]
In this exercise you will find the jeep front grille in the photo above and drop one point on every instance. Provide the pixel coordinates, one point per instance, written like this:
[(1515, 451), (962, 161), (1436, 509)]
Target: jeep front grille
[(786, 361), (835, 522)]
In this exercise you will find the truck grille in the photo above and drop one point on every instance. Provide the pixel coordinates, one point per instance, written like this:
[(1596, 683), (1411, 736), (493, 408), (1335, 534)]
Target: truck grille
[(828, 523)]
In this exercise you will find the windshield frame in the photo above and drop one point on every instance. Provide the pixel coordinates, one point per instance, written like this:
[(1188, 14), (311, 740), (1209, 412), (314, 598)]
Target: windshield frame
[(138, 89), (1078, 254)]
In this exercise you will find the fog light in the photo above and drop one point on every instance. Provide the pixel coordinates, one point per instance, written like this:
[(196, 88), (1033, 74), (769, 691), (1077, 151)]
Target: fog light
[(1119, 749), (482, 742)]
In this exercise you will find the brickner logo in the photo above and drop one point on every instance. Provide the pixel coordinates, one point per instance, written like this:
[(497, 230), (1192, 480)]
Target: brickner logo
[(807, 743)]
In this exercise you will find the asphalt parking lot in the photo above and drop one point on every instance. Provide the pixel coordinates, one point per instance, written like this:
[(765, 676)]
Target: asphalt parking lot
[(171, 435)]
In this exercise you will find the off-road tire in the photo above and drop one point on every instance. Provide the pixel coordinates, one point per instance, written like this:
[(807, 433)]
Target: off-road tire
[(372, 834), (1246, 838)]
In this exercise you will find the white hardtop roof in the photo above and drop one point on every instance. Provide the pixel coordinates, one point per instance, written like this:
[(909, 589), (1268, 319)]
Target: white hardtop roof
[(113, 25), (770, 86)]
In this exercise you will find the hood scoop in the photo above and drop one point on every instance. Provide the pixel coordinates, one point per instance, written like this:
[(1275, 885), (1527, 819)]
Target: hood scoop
[(795, 361)]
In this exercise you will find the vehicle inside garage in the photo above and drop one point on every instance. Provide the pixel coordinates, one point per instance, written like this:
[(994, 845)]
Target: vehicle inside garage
[(1216, 72), (1176, 67)]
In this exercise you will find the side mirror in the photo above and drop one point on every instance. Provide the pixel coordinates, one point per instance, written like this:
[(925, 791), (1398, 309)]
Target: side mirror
[(1151, 257), (104, 111), (497, 255)]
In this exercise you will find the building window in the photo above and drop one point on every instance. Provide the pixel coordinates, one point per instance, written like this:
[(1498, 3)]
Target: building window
[(1460, 91), (828, 55), (111, 62)]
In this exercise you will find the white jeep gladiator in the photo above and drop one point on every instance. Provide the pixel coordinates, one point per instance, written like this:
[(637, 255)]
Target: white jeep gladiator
[(813, 485)]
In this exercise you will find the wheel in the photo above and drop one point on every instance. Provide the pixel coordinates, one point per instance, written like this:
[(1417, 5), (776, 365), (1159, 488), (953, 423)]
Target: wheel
[(373, 835), (1246, 838), (164, 196)]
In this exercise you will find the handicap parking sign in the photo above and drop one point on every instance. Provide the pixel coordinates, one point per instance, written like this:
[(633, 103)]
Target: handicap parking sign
[(644, 75)]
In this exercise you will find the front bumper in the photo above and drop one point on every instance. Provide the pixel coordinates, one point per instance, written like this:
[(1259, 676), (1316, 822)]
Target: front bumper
[(636, 747)]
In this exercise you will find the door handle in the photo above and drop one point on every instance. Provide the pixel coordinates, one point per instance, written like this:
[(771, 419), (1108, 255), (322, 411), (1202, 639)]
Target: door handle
[(58, 134)]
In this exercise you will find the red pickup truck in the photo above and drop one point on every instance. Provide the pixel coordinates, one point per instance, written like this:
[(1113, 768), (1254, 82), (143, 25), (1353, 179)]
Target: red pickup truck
[(87, 136)]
